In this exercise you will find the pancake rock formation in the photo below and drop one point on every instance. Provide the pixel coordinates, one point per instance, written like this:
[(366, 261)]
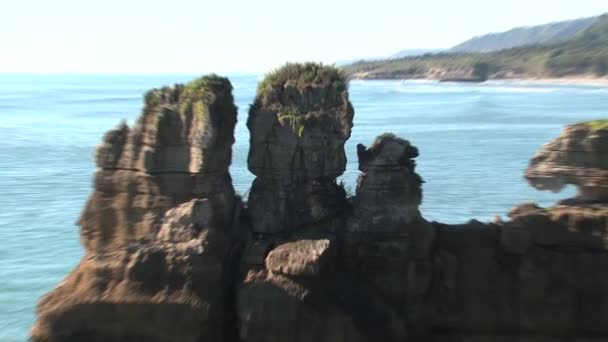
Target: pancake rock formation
[(578, 157), (157, 228), (299, 121), (173, 255)]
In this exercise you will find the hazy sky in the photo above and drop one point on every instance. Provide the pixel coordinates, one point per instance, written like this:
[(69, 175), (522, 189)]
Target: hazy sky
[(192, 36)]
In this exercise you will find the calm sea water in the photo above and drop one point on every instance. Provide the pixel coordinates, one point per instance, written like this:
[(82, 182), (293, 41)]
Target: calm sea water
[(474, 140)]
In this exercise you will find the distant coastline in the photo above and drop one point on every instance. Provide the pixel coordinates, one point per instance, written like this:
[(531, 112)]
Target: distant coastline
[(564, 81), (581, 59), (570, 80)]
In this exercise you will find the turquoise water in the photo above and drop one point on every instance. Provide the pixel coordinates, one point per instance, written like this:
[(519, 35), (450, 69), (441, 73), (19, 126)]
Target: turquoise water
[(474, 140)]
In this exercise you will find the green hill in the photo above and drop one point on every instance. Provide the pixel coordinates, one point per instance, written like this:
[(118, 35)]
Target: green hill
[(547, 34), (585, 54)]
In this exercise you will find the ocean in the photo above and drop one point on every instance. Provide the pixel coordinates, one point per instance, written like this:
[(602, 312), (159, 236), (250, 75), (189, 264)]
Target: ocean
[(475, 141)]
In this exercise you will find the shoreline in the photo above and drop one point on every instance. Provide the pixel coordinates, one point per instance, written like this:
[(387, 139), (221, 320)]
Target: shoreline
[(589, 81), (558, 81)]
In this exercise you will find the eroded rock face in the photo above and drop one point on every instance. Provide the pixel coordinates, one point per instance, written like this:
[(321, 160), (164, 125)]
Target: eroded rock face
[(158, 229), (355, 273), (386, 228), (179, 149), (298, 123), (389, 190), (275, 308), (386, 239), (537, 277), (301, 258), (578, 157)]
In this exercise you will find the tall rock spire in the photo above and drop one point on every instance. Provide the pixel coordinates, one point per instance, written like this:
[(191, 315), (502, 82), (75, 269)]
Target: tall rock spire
[(157, 227), (299, 121)]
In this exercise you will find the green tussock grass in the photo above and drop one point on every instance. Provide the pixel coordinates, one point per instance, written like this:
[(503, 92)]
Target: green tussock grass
[(303, 74), (204, 88), (597, 124), (300, 75), (209, 83)]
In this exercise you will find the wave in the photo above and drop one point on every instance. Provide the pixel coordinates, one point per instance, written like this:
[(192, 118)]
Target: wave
[(117, 99), (435, 87), (501, 89)]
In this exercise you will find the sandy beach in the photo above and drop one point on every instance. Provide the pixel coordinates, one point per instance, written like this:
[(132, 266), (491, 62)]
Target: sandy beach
[(577, 80), (592, 81)]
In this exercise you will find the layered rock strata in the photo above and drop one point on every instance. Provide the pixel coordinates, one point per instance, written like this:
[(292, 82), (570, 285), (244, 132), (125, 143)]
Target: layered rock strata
[(299, 121), (578, 157), (386, 240), (158, 229), (538, 277)]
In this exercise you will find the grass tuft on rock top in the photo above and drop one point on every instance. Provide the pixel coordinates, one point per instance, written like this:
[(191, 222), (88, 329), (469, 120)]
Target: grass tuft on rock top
[(304, 74), (210, 83), (596, 125), (194, 95)]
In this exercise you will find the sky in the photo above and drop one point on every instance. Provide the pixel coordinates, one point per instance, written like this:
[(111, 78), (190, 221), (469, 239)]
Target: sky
[(226, 36)]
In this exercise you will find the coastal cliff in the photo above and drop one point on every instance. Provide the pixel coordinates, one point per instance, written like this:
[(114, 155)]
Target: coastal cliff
[(172, 254), (584, 56)]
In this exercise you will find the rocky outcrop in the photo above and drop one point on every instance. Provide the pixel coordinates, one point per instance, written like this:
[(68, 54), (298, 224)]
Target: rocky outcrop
[(386, 240), (578, 157), (538, 277), (171, 255), (179, 149), (301, 258), (298, 123), (158, 229)]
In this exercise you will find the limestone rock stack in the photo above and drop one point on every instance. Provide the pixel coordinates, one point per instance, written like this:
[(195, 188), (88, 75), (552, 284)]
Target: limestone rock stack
[(157, 228), (388, 194), (299, 121), (386, 241), (578, 157)]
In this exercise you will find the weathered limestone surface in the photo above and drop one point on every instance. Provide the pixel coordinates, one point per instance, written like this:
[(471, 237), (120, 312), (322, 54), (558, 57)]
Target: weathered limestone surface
[(173, 256), (537, 275), (579, 157), (299, 121), (386, 240), (158, 229), (301, 258)]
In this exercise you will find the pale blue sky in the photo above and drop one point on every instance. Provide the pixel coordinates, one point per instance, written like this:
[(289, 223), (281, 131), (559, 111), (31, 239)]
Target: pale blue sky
[(194, 36)]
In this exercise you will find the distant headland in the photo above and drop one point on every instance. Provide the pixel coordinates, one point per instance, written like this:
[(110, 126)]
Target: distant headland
[(573, 50)]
